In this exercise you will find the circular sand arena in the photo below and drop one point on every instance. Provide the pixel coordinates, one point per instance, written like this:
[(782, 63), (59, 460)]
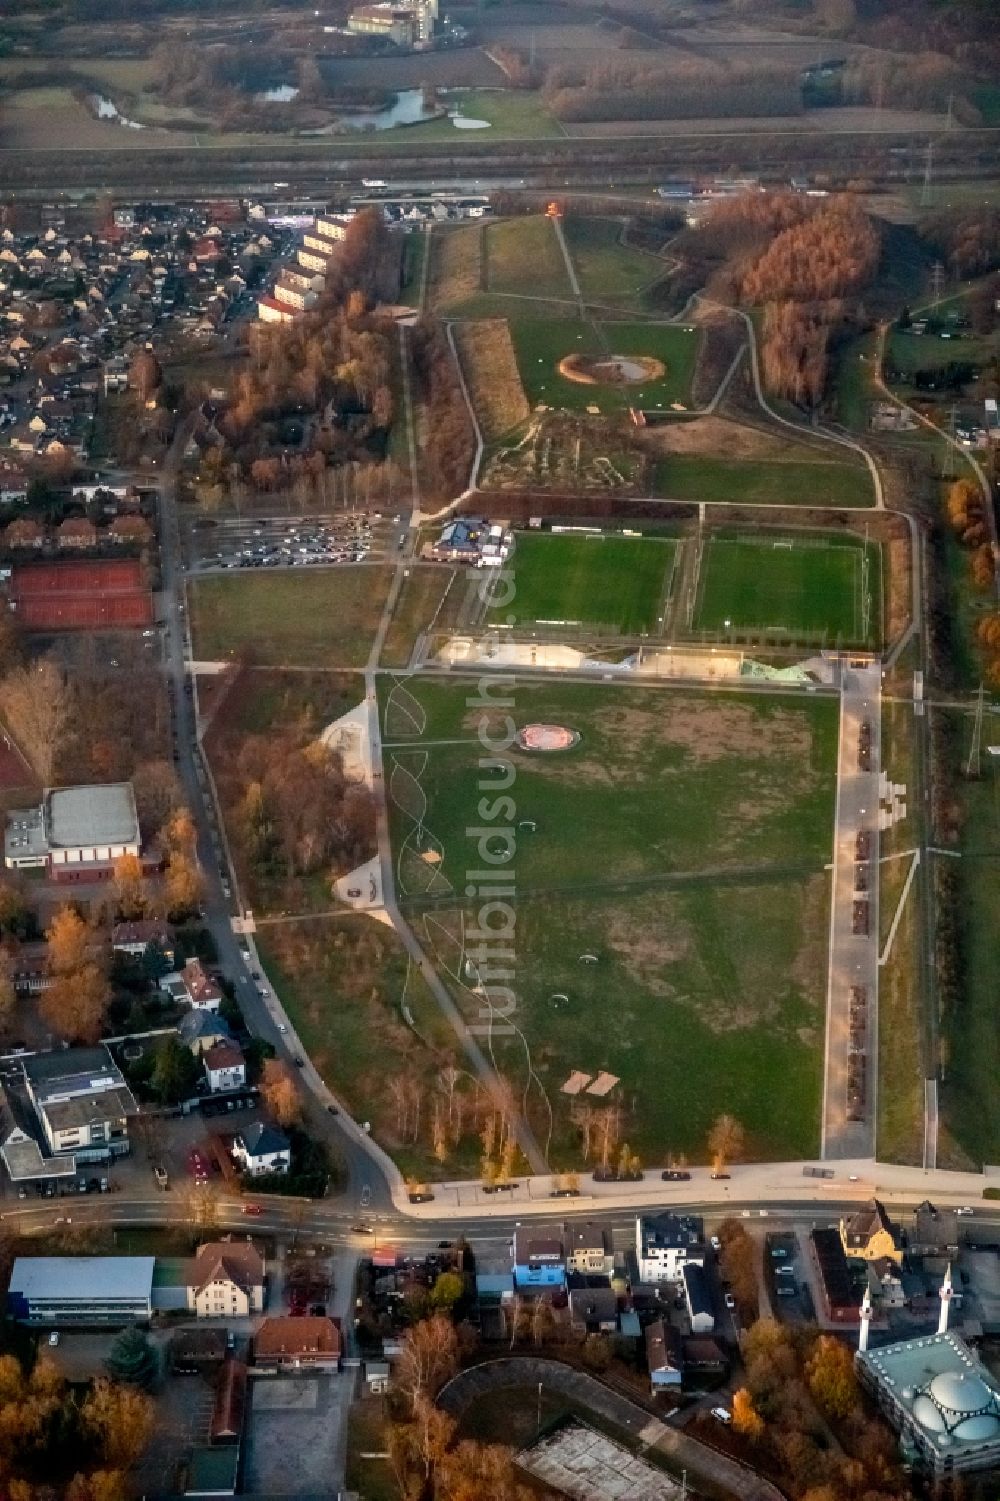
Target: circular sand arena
[(612, 369), (546, 737)]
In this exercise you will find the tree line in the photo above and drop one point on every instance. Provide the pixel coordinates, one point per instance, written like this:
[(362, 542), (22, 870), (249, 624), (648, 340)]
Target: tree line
[(446, 440), (627, 88)]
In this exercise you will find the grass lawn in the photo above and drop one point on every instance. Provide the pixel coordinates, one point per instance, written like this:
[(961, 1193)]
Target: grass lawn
[(316, 617), (970, 1105), (607, 270), (513, 114), (367, 1435), (908, 352), (542, 343), (717, 1002), (455, 270), (805, 590), (414, 254), (431, 596), (523, 256), (685, 476), (345, 983), (616, 582), (663, 784)]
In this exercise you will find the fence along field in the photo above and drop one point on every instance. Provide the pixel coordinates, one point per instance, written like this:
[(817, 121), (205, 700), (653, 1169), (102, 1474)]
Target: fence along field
[(610, 582), (805, 589)]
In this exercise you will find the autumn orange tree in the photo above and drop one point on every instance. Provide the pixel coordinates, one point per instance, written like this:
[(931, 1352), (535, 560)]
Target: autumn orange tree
[(74, 1003), (746, 1419), (280, 1092), (182, 880), (129, 887), (831, 1378)]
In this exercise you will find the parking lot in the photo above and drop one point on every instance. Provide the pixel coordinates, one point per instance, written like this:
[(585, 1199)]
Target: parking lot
[(288, 541)]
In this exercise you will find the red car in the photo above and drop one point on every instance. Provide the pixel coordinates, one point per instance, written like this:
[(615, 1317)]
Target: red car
[(252, 1209)]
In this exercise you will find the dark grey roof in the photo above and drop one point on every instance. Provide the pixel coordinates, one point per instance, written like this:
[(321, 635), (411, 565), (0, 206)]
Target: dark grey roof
[(200, 1024), (261, 1139), (66, 1062), (667, 1230), (696, 1288)]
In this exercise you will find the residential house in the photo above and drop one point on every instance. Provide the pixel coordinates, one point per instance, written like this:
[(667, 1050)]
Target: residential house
[(664, 1243), (226, 1280), (76, 534), (663, 1357), (133, 531), (539, 1258), (886, 1283), (262, 1149), (134, 938), (870, 1234), (201, 1030), (697, 1298), (588, 1249), (935, 1231), (24, 533), (595, 1308), (291, 1343), (225, 1067), (201, 991)]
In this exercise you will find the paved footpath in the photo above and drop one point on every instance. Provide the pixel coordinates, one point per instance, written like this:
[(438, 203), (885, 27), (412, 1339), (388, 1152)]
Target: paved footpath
[(853, 956)]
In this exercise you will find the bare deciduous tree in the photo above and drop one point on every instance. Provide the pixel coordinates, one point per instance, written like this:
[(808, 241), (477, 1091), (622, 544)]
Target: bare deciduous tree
[(37, 704)]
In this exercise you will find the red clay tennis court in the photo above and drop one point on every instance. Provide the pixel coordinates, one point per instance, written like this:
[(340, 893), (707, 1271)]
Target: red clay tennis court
[(105, 594)]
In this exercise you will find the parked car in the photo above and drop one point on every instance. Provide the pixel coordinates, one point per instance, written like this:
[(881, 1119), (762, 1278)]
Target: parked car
[(730, 1301), (722, 1415), (675, 1175), (252, 1209)]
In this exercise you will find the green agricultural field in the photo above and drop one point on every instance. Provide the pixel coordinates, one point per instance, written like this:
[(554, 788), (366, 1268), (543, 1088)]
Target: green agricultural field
[(316, 617), (806, 482), (541, 344), (663, 786), (718, 1005), (611, 581), (803, 586), (523, 256), (607, 270)]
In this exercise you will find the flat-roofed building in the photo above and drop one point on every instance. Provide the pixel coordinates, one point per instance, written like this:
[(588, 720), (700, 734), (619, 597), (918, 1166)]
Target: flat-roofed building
[(81, 1289), (76, 834), (82, 1102)]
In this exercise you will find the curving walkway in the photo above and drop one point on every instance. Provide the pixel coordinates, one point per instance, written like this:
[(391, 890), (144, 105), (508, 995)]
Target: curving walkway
[(680, 1450)]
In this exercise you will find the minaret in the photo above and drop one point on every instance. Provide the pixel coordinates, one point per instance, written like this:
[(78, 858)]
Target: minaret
[(946, 1294), (866, 1318)]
